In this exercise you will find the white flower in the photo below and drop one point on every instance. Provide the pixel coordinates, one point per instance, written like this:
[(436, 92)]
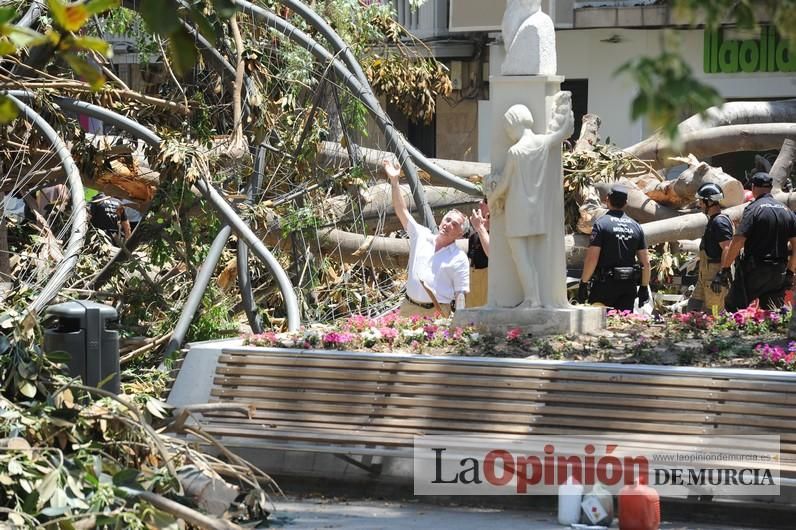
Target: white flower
[(413, 333), (371, 335)]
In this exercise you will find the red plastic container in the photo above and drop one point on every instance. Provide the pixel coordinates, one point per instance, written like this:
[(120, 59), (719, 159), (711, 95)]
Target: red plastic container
[(639, 508)]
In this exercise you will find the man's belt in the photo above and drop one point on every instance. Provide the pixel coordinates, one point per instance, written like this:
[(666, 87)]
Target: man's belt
[(625, 274), (764, 261), (429, 305)]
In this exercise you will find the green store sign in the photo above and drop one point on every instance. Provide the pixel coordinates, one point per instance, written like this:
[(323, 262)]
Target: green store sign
[(769, 53)]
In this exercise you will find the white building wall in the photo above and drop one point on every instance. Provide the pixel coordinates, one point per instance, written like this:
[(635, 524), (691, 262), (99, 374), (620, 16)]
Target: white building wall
[(585, 54)]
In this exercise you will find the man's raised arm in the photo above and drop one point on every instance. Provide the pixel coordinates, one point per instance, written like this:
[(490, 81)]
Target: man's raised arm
[(393, 171)]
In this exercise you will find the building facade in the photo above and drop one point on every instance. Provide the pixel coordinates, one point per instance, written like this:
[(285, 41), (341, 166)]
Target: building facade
[(594, 39)]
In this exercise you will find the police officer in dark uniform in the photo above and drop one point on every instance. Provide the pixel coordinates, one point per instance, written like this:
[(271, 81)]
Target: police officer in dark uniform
[(767, 266), (708, 295), (617, 243), (108, 215)]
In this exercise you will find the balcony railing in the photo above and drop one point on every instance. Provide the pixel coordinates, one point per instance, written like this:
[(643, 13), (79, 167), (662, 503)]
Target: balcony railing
[(430, 21)]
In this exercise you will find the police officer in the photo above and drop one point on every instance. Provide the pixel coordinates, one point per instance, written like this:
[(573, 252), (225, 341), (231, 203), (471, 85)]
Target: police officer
[(108, 215), (708, 295), (616, 243), (766, 268)]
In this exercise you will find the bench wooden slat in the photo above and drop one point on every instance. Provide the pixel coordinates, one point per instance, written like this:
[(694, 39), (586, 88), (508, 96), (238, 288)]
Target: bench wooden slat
[(512, 411), (652, 402), (308, 361), (607, 388)]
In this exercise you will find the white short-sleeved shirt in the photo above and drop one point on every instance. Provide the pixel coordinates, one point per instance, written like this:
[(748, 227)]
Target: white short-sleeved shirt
[(445, 272)]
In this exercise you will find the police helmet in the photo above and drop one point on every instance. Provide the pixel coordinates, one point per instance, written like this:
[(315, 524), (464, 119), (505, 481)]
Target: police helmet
[(710, 192), (762, 179)]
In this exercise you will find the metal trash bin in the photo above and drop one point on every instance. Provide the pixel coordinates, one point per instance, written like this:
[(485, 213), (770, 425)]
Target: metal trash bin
[(83, 330)]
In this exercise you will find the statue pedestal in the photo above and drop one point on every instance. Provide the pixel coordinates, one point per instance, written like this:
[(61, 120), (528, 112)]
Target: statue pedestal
[(537, 320)]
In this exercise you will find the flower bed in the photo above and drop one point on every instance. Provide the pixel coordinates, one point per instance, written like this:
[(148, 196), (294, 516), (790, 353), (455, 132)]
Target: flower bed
[(748, 338)]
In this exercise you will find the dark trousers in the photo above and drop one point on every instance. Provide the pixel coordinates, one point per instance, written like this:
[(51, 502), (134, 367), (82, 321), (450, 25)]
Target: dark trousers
[(765, 281), (619, 294)]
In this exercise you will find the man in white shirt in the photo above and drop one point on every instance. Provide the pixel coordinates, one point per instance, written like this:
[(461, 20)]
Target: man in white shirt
[(439, 271)]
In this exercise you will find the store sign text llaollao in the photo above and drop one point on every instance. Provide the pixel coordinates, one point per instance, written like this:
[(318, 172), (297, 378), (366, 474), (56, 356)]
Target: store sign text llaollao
[(769, 53)]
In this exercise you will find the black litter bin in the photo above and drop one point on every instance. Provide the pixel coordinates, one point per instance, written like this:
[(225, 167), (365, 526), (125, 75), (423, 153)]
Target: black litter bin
[(84, 330)]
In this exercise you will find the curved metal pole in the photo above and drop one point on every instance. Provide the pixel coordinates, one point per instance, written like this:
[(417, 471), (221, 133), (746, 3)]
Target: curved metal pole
[(341, 48), (391, 134), (197, 291), (227, 213), (244, 277), (79, 216)]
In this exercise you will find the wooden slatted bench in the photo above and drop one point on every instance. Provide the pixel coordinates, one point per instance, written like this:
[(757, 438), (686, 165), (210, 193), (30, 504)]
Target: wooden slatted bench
[(375, 404)]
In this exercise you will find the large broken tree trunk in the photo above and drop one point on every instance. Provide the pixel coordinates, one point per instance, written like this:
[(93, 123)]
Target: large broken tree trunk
[(378, 205), (336, 155), (589, 134), (692, 226), (740, 113), (705, 143), (639, 206), (393, 253), (680, 192), (783, 166), (734, 113)]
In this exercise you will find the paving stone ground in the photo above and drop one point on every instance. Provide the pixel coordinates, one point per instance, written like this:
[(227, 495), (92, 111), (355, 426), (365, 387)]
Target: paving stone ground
[(309, 513)]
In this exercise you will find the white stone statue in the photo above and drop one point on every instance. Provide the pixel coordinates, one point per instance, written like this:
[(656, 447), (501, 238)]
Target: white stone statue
[(529, 191), (529, 38)]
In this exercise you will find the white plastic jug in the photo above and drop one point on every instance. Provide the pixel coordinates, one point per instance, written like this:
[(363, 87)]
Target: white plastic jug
[(569, 496), (598, 506)]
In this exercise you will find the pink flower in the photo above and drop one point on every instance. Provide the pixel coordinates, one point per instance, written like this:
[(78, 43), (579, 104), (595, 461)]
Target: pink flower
[(388, 334), (513, 335), (335, 339)]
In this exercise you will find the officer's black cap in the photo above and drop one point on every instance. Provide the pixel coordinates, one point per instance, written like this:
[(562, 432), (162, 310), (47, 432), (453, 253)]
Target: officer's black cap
[(763, 180), (618, 192)]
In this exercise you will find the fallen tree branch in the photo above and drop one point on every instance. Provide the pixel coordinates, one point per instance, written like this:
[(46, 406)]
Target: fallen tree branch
[(705, 143), (336, 155), (77, 86), (152, 345), (180, 511), (783, 165)]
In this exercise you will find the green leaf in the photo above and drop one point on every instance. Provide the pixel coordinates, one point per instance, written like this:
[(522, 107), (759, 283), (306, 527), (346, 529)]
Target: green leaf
[(161, 19), (126, 477), (224, 8), (7, 14), (164, 521), (204, 25), (86, 71), (29, 505), (98, 6), (182, 51), (6, 48), (8, 110), (107, 379), (25, 37), (94, 43)]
